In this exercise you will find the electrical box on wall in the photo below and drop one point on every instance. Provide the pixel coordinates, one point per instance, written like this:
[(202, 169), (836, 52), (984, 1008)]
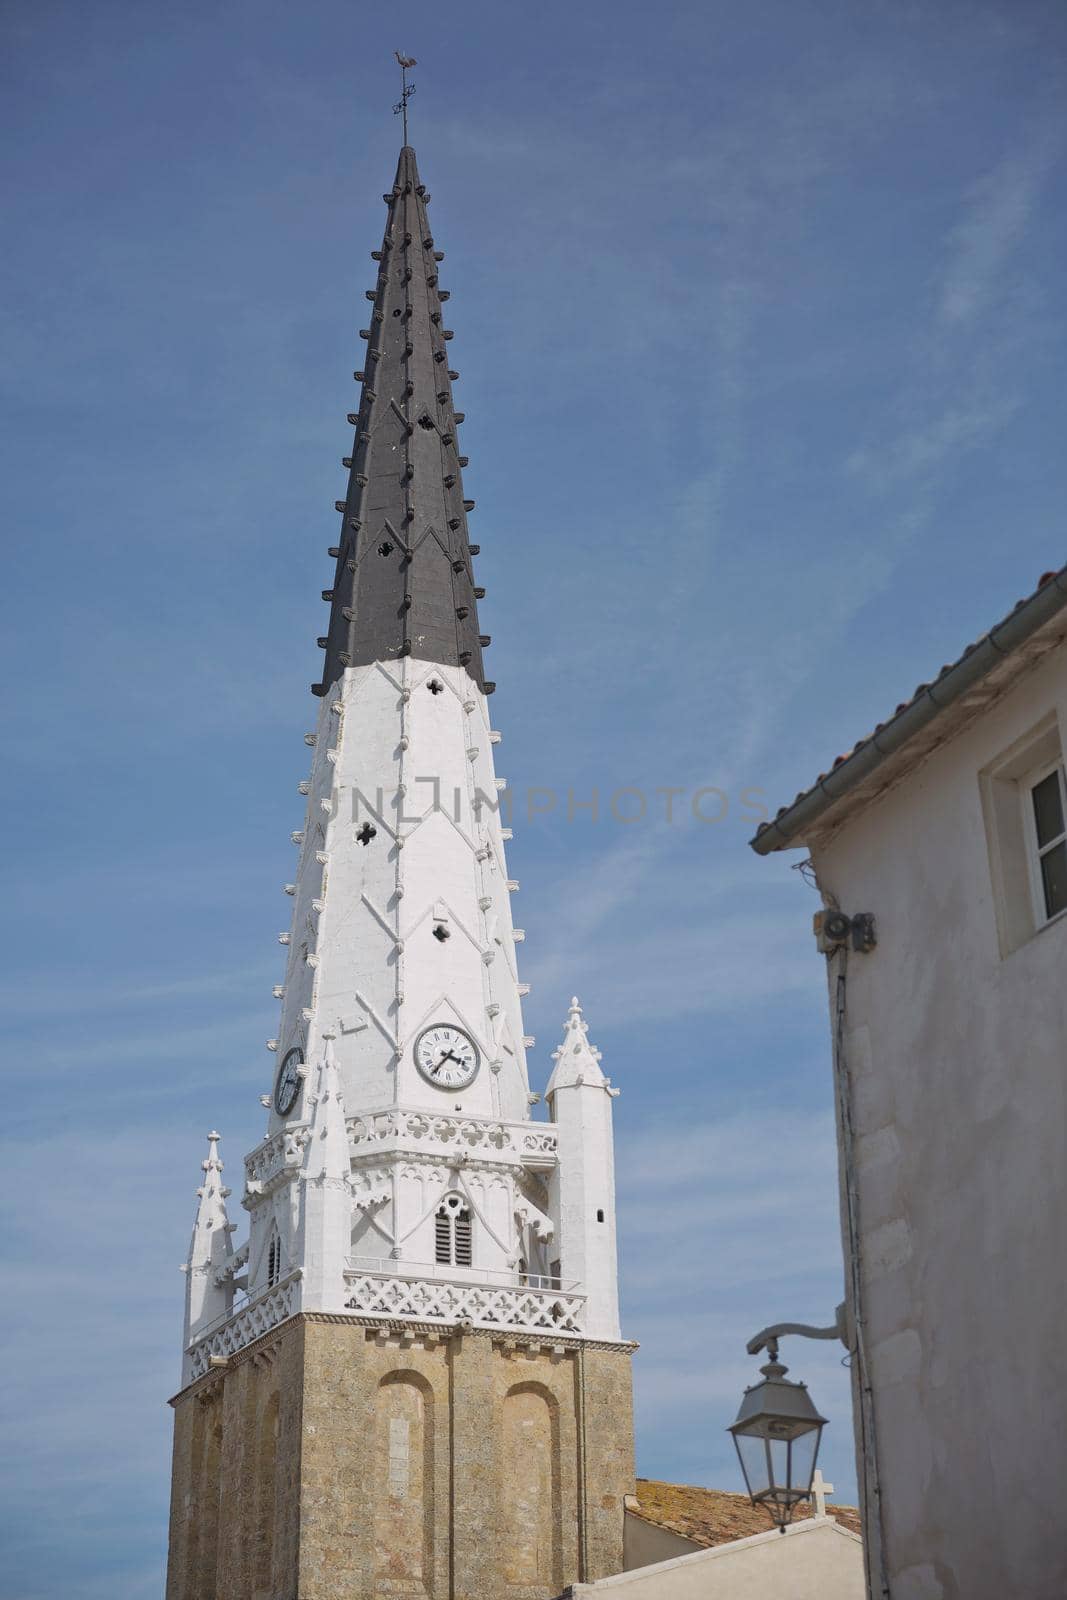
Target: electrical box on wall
[(836, 930)]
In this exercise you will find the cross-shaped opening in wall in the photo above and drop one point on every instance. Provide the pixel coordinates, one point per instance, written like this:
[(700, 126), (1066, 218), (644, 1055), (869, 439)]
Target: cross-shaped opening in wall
[(366, 834), (435, 687)]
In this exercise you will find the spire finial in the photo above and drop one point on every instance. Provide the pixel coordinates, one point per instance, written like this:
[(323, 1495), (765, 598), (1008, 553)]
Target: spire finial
[(407, 90), (577, 1061)]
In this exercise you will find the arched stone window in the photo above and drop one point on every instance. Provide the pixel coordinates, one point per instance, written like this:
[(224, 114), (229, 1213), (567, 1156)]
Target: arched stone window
[(452, 1232), (531, 1521), (402, 1485)]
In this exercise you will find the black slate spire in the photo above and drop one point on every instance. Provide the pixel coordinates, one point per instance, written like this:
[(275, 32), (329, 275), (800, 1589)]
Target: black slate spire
[(404, 583)]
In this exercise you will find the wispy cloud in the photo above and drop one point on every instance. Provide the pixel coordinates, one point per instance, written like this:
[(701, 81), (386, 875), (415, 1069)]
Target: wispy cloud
[(166, 1044), (709, 1258), (944, 439), (94, 1307), (37, 996), (967, 377), (997, 211)]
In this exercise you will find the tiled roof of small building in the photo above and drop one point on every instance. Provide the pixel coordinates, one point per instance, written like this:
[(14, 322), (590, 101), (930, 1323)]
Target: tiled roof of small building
[(715, 1516), (1013, 635)]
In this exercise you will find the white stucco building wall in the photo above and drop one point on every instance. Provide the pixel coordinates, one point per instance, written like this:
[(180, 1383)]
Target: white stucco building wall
[(952, 1100), (813, 1560)]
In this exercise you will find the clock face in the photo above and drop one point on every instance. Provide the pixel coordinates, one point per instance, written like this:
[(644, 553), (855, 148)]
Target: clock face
[(289, 1080), (446, 1056)]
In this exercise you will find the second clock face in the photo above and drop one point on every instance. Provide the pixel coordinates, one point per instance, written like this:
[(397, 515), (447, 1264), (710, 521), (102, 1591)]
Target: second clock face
[(289, 1080), (446, 1056)]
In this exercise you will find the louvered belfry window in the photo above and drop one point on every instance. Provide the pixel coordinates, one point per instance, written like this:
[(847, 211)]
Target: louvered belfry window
[(462, 1237), (274, 1259), (452, 1233)]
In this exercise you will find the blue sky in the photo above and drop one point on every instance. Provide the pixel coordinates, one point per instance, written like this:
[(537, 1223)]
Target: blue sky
[(759, 314)]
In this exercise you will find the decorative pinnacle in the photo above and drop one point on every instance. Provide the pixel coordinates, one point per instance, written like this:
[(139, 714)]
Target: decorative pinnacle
[(577, 1033), (210, 1247), (577, 1061), (327, 1149)]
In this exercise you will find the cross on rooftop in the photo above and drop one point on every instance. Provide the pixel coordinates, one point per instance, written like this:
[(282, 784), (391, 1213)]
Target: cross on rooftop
[(819, 1490)]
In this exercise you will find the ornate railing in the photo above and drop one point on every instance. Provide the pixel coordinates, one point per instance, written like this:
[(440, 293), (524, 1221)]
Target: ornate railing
[(537, 1305), (534, 1143), (256, 1317), (520, 1307), (389, 1267), (531, 1144), (274, 1155)]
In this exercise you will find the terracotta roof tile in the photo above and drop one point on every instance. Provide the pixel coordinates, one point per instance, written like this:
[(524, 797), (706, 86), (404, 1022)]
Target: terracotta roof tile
[(715, 1516)]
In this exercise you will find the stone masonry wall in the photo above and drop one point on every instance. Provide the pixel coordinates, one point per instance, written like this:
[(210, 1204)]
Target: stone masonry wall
[(340, 1461), (235, 1503)]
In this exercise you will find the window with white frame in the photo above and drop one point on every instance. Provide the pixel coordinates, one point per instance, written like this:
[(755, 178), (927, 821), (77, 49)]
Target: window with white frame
[(452, 1233), (1046, 800), (1024, 803)]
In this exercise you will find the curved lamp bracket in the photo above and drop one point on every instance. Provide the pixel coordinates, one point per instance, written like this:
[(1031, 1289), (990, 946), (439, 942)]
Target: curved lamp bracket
[(768, 1339)]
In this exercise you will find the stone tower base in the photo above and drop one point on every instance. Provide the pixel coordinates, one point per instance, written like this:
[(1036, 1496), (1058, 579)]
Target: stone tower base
[(338, 1459)]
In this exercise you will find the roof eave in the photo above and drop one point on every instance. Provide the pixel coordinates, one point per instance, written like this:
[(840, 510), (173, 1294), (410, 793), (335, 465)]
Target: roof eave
[(792, 827)]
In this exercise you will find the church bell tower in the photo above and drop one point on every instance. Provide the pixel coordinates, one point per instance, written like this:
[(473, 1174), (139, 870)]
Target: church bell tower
[(409, 1380)]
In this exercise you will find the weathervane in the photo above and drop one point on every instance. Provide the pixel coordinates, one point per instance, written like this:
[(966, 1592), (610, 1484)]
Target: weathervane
[(408, 89)]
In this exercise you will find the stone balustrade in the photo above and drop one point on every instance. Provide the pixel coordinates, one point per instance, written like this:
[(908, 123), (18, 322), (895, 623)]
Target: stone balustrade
[(518, 1307), (531, 1144), (282, 1152), (252, 1320)]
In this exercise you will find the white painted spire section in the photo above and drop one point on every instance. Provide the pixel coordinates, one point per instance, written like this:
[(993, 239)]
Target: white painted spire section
[(381, 1190), (325, 1194), (208, 1289), (401, 922), (401, 915), (582, 1187)]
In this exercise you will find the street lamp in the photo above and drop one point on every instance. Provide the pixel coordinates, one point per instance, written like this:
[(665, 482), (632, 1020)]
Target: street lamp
[(778, 1429)]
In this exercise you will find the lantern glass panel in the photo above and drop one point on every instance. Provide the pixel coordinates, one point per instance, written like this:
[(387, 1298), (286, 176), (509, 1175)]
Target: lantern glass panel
[(780, 1453), (805, 1450), (755, 1463)]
